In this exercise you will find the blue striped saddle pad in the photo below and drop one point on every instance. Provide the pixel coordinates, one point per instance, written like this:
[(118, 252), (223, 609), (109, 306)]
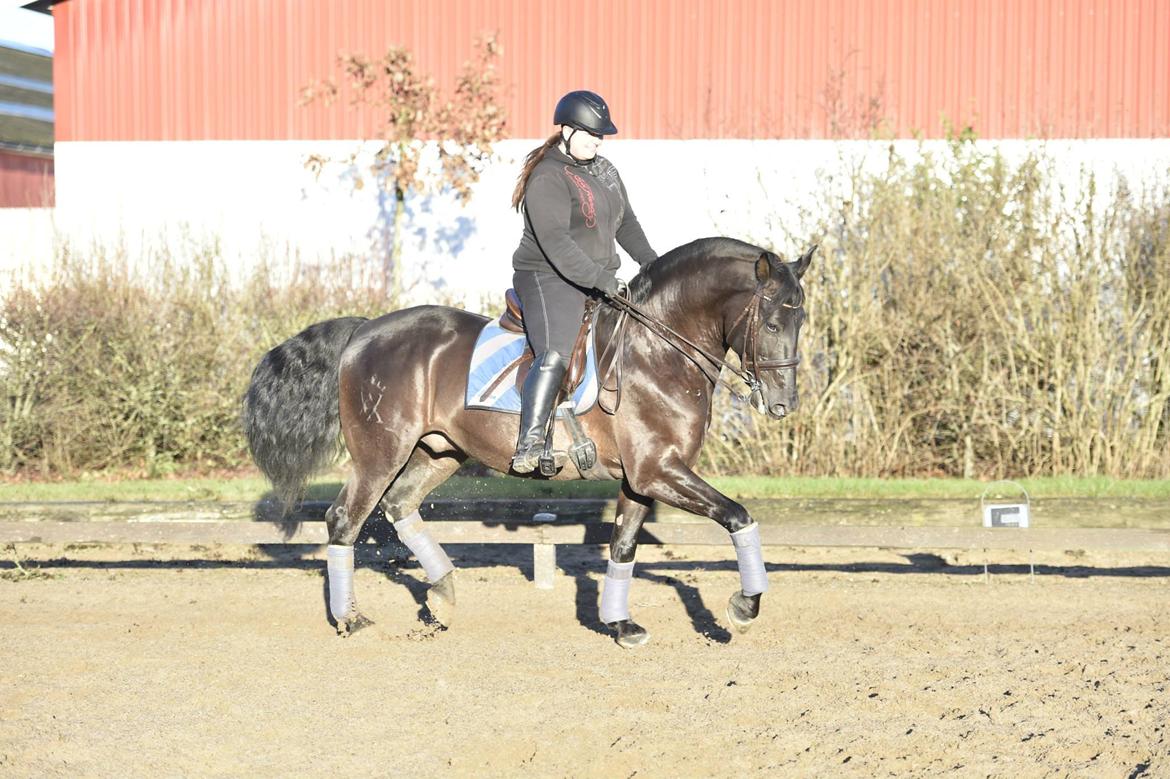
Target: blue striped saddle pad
[(491, 379)]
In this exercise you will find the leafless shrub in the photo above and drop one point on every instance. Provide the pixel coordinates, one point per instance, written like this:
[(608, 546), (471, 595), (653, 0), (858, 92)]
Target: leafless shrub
[(107, 370), (966, 317), (969, 318)]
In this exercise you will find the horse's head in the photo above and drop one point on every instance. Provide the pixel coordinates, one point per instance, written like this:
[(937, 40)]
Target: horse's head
[(767, 340)]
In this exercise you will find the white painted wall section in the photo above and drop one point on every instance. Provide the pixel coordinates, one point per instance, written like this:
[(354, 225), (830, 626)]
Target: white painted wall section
[(257, 199)]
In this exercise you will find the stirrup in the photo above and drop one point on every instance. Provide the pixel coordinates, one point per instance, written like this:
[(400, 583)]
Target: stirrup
[(551, 462), (537, 459)]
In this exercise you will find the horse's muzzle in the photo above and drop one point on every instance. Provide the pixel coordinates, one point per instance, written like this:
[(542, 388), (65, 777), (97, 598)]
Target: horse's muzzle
[(773, 410)]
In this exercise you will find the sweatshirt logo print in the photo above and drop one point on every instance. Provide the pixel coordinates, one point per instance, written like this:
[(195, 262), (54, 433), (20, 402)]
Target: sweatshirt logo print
[(586, 194)]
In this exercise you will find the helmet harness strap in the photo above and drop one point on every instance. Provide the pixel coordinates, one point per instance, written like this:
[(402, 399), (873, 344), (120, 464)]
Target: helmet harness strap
[(569, 142)]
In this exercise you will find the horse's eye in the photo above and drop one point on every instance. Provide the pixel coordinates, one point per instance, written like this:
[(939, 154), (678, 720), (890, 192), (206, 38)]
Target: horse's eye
[(772, 328)]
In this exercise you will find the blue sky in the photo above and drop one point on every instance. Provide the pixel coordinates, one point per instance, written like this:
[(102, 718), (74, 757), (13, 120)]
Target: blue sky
[(25, 28)]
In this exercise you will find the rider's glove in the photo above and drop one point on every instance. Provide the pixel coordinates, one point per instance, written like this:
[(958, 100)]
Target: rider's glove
[(615, 286)]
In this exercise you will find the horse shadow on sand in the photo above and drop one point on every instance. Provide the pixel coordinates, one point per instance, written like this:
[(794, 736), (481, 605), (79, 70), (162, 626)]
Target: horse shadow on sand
[(584, 565), (379, 548)]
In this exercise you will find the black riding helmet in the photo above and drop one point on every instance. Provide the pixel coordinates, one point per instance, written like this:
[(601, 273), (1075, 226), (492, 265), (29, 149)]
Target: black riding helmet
[(584, 110)]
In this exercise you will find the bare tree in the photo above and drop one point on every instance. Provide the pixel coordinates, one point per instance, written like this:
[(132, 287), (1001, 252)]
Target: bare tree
[(462, 127)]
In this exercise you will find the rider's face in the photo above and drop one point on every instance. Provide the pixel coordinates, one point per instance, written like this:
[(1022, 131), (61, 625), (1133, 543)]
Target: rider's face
[(583, 145)]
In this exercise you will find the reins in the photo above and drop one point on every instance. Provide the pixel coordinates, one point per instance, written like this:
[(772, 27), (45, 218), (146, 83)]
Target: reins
[(752, 365)]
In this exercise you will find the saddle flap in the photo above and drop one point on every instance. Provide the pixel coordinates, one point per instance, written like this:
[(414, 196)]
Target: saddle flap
[(500, 363), (512, 319), (574, 374)]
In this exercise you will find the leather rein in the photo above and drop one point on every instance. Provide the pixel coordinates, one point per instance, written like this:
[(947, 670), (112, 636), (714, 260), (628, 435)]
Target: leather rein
[(752, 364)]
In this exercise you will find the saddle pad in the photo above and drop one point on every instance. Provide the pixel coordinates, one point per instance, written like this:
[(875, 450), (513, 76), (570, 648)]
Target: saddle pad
[(496, 353)]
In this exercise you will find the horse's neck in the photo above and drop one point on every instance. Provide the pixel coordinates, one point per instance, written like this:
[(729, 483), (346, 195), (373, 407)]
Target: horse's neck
[(695, 311), (699, 311)]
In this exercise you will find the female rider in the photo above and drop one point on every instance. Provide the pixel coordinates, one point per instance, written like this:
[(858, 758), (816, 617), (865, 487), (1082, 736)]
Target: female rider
[(574, 206)]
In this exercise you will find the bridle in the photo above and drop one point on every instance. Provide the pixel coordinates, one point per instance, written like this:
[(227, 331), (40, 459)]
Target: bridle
[(752, 365), (751, 337)]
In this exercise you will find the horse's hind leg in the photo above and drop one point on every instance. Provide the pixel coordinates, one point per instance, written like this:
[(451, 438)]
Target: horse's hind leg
[(344, 520), (423, 472), (623, 546)]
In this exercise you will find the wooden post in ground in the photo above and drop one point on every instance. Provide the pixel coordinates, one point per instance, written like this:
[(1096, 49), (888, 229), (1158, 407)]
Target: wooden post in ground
[(544, 555), (544, 565)]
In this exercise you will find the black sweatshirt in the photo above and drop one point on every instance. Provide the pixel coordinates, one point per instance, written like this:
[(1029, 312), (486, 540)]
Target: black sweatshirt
[(574, 211)]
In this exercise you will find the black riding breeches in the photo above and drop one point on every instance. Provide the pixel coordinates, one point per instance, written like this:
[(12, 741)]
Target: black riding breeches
[(553, 310)]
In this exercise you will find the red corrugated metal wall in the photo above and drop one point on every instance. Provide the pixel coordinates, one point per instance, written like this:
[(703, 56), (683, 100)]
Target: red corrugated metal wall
[(232, 69), (26, 180)]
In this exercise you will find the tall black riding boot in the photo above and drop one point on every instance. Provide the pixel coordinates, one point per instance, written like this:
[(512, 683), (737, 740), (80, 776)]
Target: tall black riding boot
[(537, 399)]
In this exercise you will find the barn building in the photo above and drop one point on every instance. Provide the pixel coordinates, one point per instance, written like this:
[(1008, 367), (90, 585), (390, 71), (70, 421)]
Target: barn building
[(26, 126), (180, 117)]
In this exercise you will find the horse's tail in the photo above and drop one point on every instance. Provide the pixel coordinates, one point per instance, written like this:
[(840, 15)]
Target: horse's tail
[(290, 414)]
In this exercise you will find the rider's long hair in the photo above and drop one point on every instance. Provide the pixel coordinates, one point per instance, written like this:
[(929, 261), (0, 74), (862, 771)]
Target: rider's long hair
[(531, 161)]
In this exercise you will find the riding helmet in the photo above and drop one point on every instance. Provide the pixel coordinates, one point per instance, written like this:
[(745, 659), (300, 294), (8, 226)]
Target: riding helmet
[(584, 110)]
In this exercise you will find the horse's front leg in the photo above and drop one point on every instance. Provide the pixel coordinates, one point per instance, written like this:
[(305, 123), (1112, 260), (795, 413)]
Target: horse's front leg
[(674, 483), (632, 509)]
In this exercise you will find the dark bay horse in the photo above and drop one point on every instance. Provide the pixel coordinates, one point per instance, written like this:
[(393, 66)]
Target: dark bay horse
[(395, 387)]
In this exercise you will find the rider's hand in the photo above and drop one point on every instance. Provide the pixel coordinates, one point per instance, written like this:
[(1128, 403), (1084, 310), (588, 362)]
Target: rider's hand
[(615, 286)]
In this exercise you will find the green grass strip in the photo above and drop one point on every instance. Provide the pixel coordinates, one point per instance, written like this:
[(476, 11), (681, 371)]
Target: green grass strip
[(747, 487)]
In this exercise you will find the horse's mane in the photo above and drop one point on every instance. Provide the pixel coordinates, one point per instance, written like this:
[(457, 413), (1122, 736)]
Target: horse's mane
[(678, 262)]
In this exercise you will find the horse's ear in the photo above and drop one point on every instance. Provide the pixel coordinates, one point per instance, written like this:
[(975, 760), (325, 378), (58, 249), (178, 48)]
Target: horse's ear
[(763, 268), (801, 265)]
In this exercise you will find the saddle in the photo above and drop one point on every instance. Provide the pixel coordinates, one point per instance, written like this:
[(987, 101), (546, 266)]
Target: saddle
[(582, 451), (512, 320)]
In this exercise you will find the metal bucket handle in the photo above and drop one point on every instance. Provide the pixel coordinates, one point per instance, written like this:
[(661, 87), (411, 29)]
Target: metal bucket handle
[(1017, 485)]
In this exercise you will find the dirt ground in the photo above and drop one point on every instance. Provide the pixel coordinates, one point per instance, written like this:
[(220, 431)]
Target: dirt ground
[(214, 662)]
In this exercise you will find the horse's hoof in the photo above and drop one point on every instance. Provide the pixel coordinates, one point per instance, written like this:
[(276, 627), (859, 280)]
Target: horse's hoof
[(352, 624), (630, 634), (742, 611), (441, 599)]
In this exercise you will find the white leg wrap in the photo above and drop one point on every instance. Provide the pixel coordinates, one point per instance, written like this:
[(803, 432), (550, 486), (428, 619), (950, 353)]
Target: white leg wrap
[(753, 578), (340, 566), (412, 531), (615, 594)]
